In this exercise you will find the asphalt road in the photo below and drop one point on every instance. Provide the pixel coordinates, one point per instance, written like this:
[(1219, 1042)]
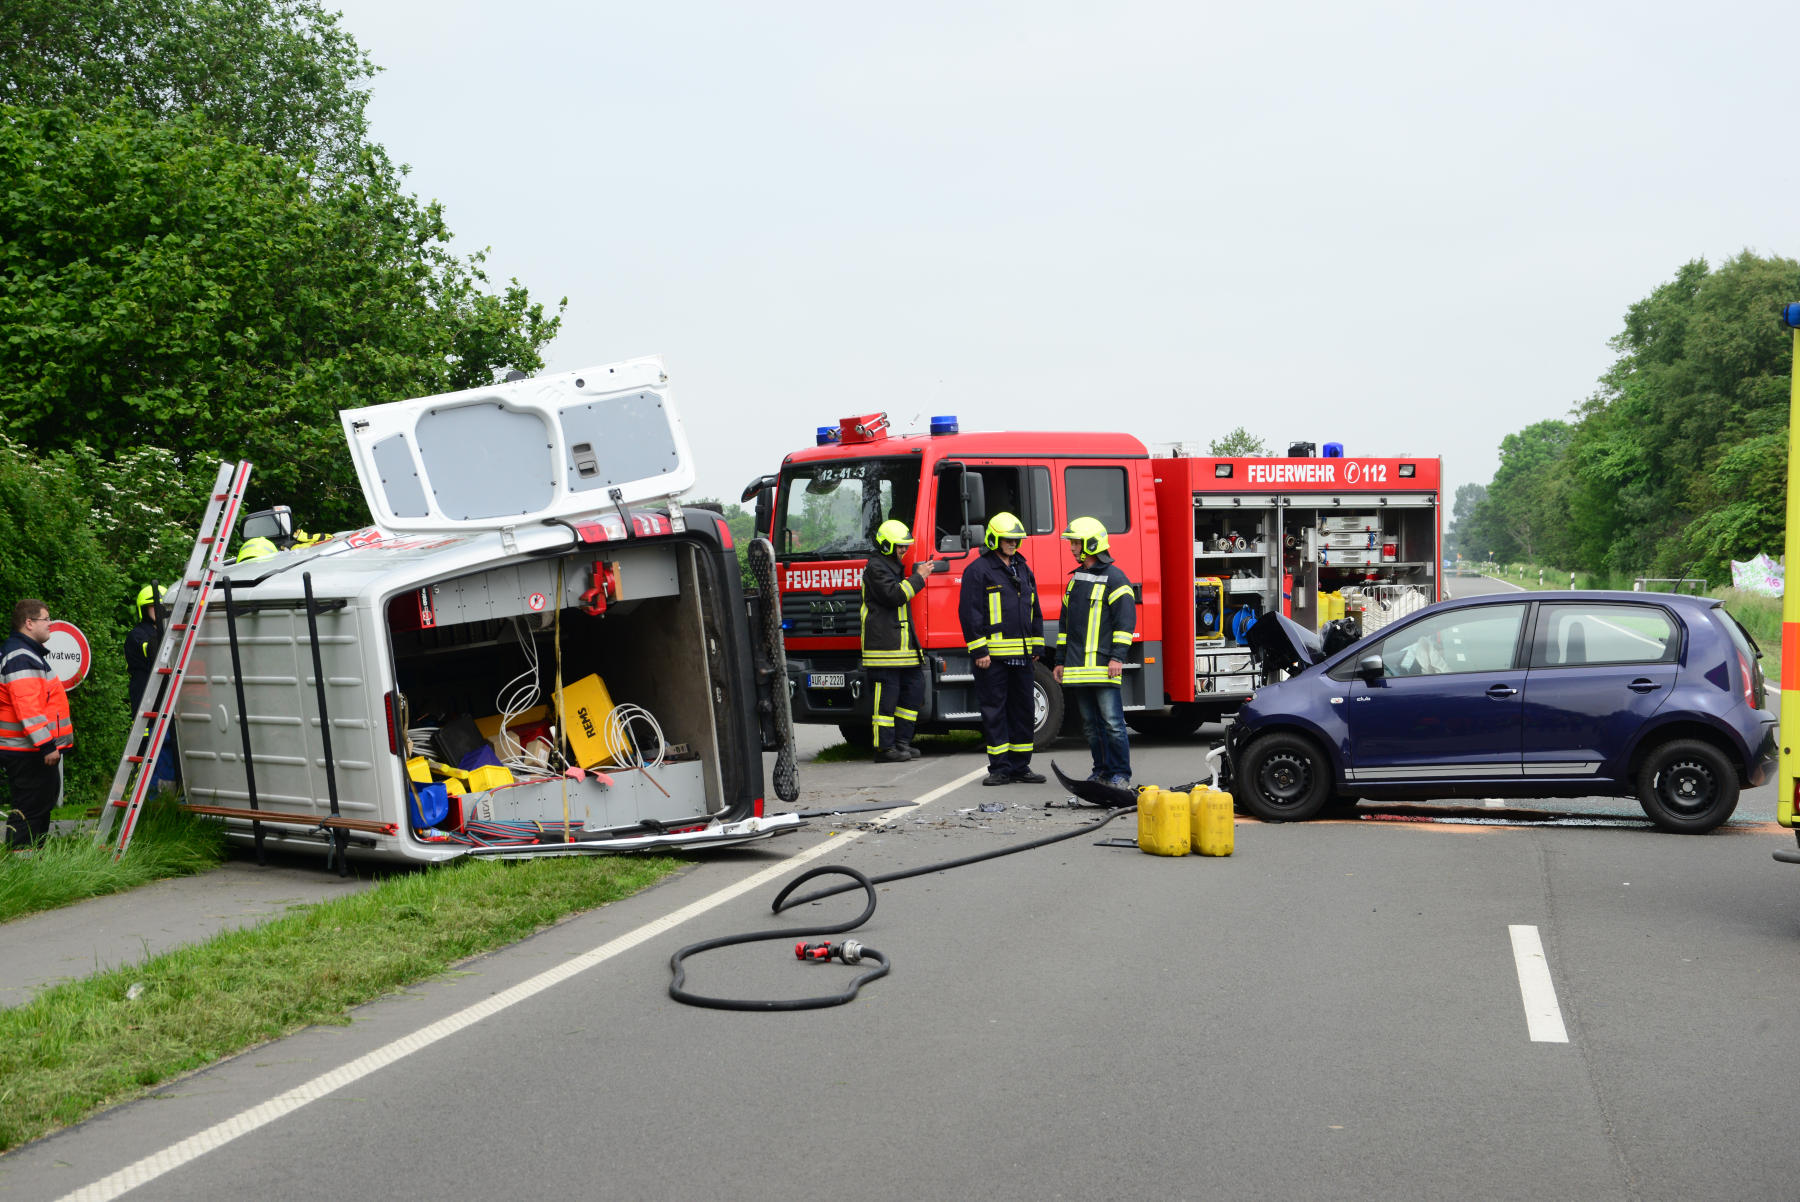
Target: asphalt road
[(1342, 1009)]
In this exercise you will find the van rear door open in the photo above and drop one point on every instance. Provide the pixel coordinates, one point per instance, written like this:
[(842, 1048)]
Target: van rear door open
[(599, 438)]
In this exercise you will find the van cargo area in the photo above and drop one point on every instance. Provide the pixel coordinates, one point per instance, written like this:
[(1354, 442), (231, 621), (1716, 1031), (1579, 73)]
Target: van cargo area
[(646, 650)]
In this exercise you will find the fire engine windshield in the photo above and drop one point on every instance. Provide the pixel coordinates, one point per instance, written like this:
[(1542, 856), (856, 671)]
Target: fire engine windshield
[(830, 509)]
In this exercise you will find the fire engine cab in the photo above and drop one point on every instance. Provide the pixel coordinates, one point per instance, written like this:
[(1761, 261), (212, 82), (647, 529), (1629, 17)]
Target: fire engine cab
[(1210, 545)]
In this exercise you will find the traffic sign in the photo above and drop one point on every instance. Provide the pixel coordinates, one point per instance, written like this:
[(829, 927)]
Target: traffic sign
[(68, 652)]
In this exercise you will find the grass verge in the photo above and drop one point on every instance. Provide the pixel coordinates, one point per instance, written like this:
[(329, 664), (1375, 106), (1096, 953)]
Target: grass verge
[(79, 1047), (168, 842)]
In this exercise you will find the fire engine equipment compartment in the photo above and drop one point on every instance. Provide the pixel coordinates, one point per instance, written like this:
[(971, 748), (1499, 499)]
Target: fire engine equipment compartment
[(1314, 539), (464, 603)]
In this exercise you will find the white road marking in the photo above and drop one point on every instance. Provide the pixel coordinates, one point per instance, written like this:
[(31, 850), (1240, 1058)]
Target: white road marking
[(173, 1157), (1494, 803), (1543, 1016)]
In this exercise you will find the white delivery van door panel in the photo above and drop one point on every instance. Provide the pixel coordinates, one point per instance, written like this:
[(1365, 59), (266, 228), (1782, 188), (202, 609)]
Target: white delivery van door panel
[(551, 447)]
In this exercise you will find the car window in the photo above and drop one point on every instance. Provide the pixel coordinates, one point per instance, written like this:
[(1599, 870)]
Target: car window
[(1464, 640), (1573, 633)]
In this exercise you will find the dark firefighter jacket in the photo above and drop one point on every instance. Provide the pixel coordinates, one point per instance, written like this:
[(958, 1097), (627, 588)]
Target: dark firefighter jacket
[(999, 608), (887, 593), (1098, 617)]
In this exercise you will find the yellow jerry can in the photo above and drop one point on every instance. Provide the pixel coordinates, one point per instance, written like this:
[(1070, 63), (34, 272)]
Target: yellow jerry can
[(1162, 822), (1214, 829)]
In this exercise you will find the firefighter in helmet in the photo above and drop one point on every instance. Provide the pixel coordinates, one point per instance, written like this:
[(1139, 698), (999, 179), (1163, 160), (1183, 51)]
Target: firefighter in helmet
[(1099, 614), (143, 640), (889, 650), (1004, 630)]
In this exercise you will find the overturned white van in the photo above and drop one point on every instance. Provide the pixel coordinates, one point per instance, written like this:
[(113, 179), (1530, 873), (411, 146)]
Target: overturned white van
[(527, 536)]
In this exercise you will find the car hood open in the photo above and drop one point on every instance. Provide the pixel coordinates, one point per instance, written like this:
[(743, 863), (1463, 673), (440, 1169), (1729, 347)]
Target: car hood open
[(1280, 642)]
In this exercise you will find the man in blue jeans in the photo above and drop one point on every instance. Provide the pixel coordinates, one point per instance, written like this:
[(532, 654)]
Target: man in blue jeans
[(1099, 615)]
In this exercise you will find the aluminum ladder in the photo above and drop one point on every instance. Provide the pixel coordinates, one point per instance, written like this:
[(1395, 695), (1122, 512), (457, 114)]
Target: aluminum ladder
[(131, 783)]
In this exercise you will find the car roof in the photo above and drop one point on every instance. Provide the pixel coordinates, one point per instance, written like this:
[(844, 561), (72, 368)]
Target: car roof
[(1691, 606), (1678, 600)]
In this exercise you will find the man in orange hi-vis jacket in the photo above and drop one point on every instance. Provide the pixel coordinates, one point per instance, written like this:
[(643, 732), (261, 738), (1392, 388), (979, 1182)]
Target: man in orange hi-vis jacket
[(34, 724)]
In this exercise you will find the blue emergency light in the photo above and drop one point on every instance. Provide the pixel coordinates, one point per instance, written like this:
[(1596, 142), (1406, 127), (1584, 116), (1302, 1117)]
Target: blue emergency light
[(1790, 316), (1334, 450), (947, 425), (828, 435)]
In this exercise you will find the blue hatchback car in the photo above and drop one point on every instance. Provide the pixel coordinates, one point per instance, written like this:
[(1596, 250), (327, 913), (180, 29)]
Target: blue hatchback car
[(1556, 694)]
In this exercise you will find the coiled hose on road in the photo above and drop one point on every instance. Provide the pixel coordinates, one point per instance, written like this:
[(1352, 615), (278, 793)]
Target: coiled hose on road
[(850, 952)]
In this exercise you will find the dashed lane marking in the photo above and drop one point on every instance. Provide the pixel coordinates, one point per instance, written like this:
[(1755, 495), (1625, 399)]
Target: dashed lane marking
[(1543, 1016)]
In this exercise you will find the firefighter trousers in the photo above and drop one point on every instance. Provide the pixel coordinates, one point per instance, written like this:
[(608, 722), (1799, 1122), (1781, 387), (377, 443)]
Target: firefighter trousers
[(898, 694), (1003, 690)]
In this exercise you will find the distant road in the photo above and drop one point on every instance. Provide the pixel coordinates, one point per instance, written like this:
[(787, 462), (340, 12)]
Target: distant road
[(1475, 586)]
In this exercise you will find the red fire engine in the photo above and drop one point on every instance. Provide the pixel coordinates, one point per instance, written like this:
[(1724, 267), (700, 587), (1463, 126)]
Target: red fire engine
[(1211, 544)]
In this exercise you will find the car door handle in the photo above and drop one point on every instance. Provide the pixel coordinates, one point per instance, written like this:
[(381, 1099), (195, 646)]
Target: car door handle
[(1643, 684), (1501, 691)]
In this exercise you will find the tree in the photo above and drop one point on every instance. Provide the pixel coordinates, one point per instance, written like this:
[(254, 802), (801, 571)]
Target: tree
[(1688, 422), (1469, 498), (163, 285), (1676, 463), (279, 75), (1238, 442), (1521, 515)]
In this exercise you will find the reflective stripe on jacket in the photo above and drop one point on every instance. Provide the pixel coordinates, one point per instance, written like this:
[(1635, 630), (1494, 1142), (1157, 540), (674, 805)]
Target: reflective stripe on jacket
[(1098, 617), (34, 709), (887, 593), (999, 608)]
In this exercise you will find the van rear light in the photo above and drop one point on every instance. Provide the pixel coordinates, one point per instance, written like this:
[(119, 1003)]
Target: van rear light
[(1749, 678), (389, 706), (756, 808)]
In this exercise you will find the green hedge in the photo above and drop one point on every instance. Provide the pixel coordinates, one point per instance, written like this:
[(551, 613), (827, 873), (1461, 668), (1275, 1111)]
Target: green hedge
[(83, 534)]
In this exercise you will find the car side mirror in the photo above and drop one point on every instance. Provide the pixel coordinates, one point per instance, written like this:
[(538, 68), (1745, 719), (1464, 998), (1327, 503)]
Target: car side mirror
[(1370, 667)]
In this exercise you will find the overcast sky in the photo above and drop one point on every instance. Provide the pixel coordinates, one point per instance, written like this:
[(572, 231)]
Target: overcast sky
[(1411, 228)]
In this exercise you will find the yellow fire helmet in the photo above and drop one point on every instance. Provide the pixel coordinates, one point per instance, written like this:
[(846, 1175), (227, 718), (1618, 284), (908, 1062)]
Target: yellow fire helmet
[(1003, 525), (150, 594), (1088, 535), (891, 534), (255, 548)]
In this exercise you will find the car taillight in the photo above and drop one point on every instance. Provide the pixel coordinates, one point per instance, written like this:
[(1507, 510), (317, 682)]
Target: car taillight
[(1749, 679), (388, 706)]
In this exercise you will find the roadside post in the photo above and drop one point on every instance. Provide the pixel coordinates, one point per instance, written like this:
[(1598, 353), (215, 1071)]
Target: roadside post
[(1790, 603)]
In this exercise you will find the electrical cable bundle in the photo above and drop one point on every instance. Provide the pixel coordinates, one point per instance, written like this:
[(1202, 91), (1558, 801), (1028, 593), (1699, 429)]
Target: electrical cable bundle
[(516, 696), (498, 834), (625, 747)]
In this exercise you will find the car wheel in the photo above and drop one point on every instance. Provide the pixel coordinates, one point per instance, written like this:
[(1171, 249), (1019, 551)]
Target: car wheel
[(1285, 778), (1046, 707), (1687, 786), (858, 734)]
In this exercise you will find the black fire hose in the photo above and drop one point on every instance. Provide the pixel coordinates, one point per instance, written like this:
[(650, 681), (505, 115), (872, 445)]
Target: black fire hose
[(850, 951)]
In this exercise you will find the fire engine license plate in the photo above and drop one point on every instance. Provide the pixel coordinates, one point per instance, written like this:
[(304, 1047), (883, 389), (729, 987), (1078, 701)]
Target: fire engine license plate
[(824, 680)]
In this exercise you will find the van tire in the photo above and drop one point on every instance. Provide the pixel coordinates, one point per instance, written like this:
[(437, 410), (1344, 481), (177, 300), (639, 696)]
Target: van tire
[(1286, 777), (1046, 706), (1687, 786), (857, 734)]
